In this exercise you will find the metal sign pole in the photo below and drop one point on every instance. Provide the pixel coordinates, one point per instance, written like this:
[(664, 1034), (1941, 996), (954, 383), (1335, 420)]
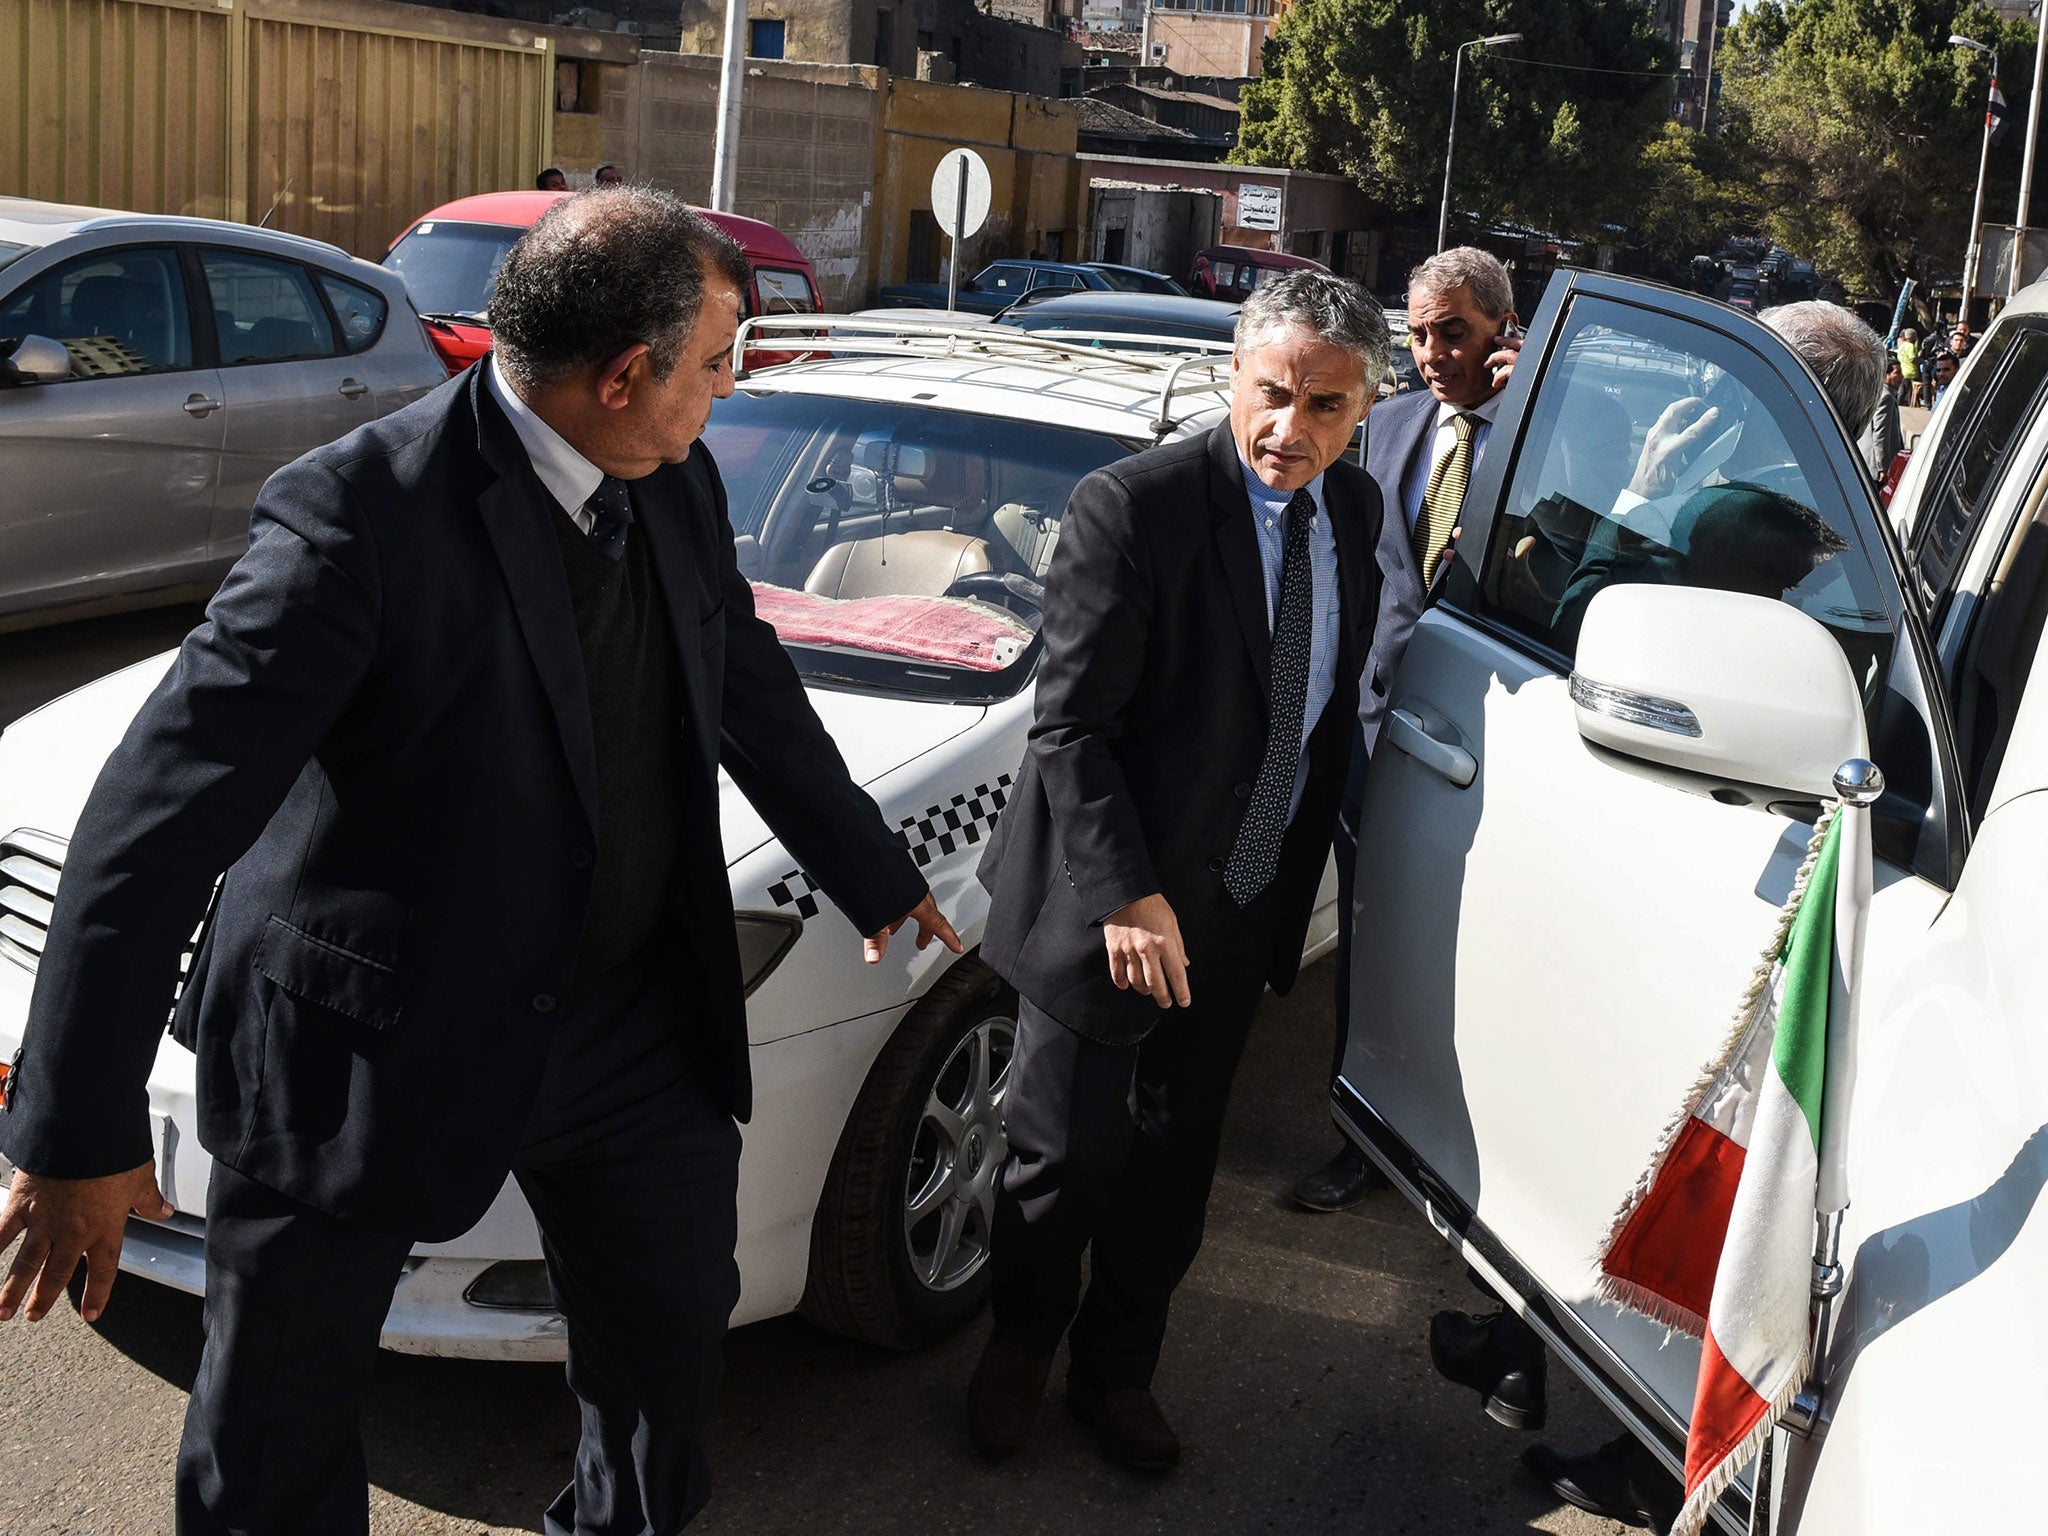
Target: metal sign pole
[(959, 228), (2019, 234)]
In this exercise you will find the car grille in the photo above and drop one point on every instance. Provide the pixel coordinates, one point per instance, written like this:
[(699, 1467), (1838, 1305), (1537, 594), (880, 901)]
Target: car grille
[(30, 863)]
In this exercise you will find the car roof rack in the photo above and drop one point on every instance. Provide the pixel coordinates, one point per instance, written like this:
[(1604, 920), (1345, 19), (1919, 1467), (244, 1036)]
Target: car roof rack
[(1159, 368)]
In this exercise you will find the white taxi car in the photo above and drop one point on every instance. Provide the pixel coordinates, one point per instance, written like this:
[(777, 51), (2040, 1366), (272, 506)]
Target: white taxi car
[(1571, 854), (896, 500)]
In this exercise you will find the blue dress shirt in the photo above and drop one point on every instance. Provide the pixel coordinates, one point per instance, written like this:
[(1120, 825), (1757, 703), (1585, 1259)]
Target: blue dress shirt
[(1269, 519)]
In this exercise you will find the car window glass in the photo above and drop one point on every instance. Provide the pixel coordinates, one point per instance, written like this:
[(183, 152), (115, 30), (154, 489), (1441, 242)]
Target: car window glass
[(1741, 505), (896, 531), (452, 269), (9, 251), (360, 310), (264, 310), (784, 293), (1056, 280), (116, 312), (1993, 411), (1004, 279)]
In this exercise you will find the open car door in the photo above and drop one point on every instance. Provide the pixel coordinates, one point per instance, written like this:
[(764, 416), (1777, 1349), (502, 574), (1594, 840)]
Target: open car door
[(1552, 939)]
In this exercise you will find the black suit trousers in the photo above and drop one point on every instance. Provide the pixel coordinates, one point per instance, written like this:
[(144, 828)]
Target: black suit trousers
[(632, 1175), (1113, 1151)]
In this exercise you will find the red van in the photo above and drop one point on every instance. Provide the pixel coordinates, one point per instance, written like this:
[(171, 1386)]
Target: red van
[(450, 259), (1231, 272)]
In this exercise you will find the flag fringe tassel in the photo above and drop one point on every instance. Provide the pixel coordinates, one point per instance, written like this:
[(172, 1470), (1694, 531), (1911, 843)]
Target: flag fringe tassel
[(1699, 1505), (1748, 1013)]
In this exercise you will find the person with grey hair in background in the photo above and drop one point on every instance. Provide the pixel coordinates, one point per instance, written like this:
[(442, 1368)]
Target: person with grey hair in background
[(1420, 448), (452, 728), (1208, 616), (1848, 358)]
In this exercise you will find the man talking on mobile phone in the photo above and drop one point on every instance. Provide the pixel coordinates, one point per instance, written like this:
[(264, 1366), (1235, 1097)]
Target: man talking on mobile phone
[(1421, 448)]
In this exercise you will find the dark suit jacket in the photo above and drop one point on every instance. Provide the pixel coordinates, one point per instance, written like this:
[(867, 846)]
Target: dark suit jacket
[(1397, 431), (1151, 724), (381, 732)]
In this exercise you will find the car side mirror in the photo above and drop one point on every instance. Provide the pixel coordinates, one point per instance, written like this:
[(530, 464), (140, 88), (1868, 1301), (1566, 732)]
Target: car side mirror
[(37, 360), (1734, 686)]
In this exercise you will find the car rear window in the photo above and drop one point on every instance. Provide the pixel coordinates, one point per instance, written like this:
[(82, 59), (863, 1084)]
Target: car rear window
[(896, 546), (451, 269), (1991, 413)]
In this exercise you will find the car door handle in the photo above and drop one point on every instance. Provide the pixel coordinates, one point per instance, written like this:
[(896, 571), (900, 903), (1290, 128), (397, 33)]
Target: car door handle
[(354, 389), (1446, 759), (200, 405)]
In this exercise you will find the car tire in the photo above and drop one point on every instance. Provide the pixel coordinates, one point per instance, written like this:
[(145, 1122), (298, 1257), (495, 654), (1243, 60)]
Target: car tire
[(899, 1250)]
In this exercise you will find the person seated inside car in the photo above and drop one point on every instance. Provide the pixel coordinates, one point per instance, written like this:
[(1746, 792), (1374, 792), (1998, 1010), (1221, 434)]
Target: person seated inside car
[(1592, 463), (1734, 537)]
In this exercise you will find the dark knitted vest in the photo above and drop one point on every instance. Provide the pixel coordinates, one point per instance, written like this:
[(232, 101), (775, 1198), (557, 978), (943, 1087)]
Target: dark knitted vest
[(636, 710)]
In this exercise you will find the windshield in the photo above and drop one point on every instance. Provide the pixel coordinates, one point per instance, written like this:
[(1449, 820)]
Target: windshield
[(1132, 281), (9, 250), (898, 547), (451, 269)]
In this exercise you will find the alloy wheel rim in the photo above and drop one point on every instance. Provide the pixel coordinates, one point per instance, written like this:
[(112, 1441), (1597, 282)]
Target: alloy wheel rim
[(956, 1157)]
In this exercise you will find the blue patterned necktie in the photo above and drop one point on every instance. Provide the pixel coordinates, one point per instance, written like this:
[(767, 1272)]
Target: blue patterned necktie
[(1255, 856), (611, 514)]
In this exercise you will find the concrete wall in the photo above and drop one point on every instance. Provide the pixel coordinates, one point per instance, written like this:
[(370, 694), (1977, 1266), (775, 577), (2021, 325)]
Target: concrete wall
[(1199, 43), (1162, 228), (808, 136), (1037, 185)]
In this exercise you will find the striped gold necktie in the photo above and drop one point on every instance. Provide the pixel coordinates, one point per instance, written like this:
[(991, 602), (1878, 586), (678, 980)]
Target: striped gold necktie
[(1445, 497)]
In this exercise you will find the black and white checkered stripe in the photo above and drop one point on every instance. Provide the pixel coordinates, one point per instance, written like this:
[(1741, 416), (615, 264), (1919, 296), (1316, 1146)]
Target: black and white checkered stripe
[(932, 834), (961, 822)]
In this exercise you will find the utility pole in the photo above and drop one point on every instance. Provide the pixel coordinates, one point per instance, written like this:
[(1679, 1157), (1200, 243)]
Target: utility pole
[(1976, 251), (725, 150), (2019, 234)]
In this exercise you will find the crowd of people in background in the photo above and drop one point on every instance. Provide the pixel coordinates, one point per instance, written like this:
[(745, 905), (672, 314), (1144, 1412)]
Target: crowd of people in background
[(1918, 370)]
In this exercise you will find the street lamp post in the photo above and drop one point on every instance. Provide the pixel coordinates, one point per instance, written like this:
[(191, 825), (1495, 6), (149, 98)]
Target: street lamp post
[(1443, 224), (1976, 250)]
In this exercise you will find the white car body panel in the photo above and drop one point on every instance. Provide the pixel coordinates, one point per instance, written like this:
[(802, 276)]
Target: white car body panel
[(1553, 953)]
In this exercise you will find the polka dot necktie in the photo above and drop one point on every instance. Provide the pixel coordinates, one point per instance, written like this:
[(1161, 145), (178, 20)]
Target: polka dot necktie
[(1445, 497), (1256, 854), (611, 513)]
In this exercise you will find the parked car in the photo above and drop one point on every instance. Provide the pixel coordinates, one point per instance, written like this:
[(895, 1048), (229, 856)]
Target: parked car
[(1168, 322), (154, 370), (1559, 908), (1137, 279), (450, 258), (1000, 284), (1233, 271), (896, 510)]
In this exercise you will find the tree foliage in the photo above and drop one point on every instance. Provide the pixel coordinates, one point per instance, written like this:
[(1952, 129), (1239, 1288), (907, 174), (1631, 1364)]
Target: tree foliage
[(1362, 88), (1861, 126)]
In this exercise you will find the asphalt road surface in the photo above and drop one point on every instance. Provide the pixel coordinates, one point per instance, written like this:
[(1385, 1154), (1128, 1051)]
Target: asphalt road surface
[(1296, 1369)]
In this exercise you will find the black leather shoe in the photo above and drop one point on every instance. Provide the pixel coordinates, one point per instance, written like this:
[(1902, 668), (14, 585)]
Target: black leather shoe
[(1498, 1357), (1127, 1423), (1621, 1480), (1340, 1183), (1003, 1397)]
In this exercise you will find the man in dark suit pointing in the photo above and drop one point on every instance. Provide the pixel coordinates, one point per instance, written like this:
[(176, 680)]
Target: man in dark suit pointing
[(1420, 449), (1208, 616), (452, 728)]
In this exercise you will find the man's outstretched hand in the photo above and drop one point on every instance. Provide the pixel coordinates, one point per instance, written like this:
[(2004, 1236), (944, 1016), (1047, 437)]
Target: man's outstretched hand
[(931, 924), (60, 1221), (1145, 951)]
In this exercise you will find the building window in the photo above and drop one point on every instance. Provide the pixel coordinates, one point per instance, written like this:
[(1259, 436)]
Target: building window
[(922, 261), (885, 38), (764, 39)]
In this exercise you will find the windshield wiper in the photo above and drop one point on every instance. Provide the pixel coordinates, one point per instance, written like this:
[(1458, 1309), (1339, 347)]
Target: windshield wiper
[(461, 316)]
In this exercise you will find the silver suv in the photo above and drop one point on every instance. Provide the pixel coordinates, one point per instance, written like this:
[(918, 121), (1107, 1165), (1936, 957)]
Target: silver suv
[(154, 370)]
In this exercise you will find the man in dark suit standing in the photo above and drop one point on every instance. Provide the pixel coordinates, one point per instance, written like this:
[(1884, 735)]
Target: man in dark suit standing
[(1420, 449), (1208, 615), (452, 728)]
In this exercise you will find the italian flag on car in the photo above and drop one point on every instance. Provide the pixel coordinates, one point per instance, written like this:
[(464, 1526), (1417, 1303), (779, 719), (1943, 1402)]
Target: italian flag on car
[(1716, 1239)]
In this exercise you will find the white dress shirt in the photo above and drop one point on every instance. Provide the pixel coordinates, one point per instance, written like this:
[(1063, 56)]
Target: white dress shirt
[(1416, 486), (569, 477)]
